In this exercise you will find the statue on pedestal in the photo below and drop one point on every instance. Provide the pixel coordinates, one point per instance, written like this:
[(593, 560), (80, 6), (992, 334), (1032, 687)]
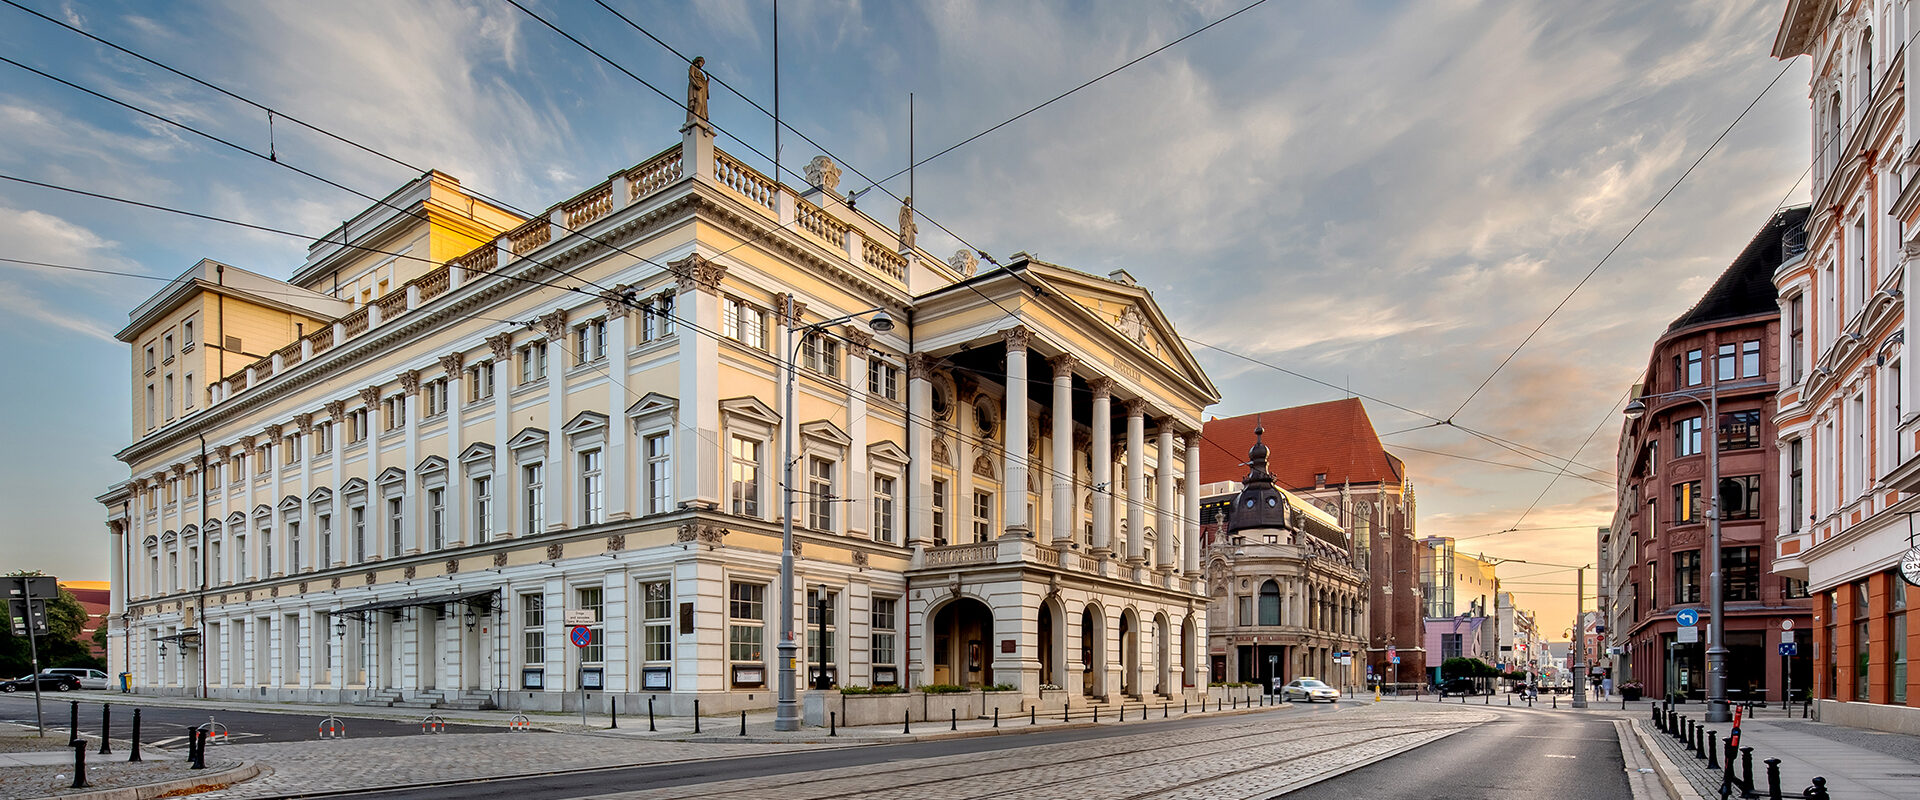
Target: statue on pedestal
[(908, 228), (697, 93)]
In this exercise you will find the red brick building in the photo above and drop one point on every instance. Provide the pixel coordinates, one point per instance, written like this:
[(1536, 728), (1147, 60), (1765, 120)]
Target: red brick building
[(1727, 345), (1328, 453)]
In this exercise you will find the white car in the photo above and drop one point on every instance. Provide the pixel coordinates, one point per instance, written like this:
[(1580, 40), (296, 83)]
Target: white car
[(1310, 690), (89, 678)]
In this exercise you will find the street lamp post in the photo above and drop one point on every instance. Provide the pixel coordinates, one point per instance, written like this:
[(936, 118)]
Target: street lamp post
[(1717, 710), (786, 710)]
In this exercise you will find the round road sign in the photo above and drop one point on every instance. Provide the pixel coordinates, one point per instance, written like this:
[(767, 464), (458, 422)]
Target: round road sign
[(581, 636), (1786, 624), (1687, 617)]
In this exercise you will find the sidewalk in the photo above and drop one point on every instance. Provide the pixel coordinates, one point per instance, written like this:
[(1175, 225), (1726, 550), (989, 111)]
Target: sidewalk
[(1856, 763)]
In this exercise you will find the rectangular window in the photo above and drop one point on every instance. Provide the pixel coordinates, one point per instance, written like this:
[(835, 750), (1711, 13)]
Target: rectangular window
[(820, 494), (820, 632), (1750, 359), (186, 336), (1739, 430), (1686, 437), (293, 545), (744, 477), (150, 361), (820, 353), (982, 516), (1726, 362), (663, 309), (1797, 338), (215, 564), (359, 520), (1897, 636), (592, 495), (396, 526), (1856, 465), (168, 342), (1740, 571), (151, 407), (886, 625), (745, 324), (532, 358), (186, 390), (659, 474), (1686, 502), (1797, 477), (590, 341), (436, 392), (357, 426), (533, 499), (393, 412), (170, 406), (1693, 367), (479, 380), (290, 450), (883, 508), (482, 508), (322, 438), (939, 501), (533, 630), (883, 379), (657, 613), (591, 599), (325, 553), (746, 629), (437, 518), (1740, 497), (1686, 576)]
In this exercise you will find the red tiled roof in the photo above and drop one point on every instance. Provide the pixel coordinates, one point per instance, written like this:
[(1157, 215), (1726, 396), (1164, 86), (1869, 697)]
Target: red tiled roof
[(1334, 437)]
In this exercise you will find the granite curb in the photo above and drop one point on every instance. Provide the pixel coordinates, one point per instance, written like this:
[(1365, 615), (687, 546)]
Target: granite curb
[(1678, 785), (145, 791)]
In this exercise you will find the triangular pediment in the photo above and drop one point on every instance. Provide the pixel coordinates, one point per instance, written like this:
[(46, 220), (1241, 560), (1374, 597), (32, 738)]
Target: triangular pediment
[(1128, 313), (886, 451), (289, 503), (479, 451), (750, 408), (654, 403), (528, 437), (354, 486), (391, 475), (585, 422), (431, 464), (236, 520), (320, 495), (822, 430)]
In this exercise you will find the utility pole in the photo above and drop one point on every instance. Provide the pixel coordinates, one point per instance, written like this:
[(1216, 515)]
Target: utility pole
[(1579, 640)]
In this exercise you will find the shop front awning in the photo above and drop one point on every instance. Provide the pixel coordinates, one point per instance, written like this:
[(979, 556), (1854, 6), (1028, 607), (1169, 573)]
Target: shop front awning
[(481, 599)]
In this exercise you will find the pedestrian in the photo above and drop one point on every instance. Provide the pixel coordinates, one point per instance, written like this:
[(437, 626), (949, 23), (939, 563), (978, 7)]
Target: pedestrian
[(1606, 687)]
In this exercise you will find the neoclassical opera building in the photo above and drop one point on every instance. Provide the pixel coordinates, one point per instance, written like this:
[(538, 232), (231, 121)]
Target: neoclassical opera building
[(410, 471)]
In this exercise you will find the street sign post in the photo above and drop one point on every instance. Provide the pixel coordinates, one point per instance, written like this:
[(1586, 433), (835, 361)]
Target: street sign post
[(581, 636), (32, 593), (1789, 648)]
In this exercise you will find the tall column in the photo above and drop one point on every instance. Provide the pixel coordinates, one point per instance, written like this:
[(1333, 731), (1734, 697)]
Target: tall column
[(377, 534), (1166, 524), (1136, 482), (697, 446), (558, 481), (309, 533), (1013, 491), (501, 344), (1190, 504), (1102, 464), (616, 485), (336, 554), (454, 522), (920, 453), (860, 474), (412, 541), (1063, 505)]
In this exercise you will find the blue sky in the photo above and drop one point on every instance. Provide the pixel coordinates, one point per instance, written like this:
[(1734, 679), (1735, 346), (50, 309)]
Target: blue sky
[(1386, 196)]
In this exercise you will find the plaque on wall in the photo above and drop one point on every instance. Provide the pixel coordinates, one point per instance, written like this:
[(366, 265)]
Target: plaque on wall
[(660, 678)]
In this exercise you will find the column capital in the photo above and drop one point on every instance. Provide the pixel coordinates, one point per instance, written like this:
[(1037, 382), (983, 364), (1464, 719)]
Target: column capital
[(198, 462), (410, 381), (303, 423), (859, 343), (697, 272), (370, 396), (920, 367), (616, 300), (453, 362), (1017, 338), (336, 410), (1063, 365), (1136, 407), (1190, 438), (554, 324), (1164, 424), (785, 315), (501, 344), (1102, 387)]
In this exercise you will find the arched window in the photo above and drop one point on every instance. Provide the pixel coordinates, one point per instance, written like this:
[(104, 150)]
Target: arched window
[(1270, 603)]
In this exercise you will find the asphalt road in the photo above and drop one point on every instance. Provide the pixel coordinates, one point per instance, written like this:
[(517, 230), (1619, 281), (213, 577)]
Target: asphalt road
[(162, 726), (1525, 754), (626, 779)]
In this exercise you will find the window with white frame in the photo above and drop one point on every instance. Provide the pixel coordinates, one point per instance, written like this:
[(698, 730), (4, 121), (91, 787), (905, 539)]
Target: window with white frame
[(592, 490), (436, 397), (746, 632), (482, 508), (216, 566), (590, 341), (396, 526), (356, 426), (820, 633), (1686, 437), (150, 361), (592, 599), (820, 493), (168, 349), (886, 626), (437, 517), (744, 323), (186, 390), (744, 477), (1856, 445), (393, 411), (1750, 359), (820, 353), (151, 407), (982, 516), (883, 493), (186, 336), (533, 636), (1796, 338), (663, 309), (265, 525), (324, 521), (658, 451), (533, 498), (1727, 361), (292, 524), (290, 449), (883, 379), (1857, 280), (939, 502), (169, 407), (242, 567), (657, 616), (532, 358), (357, 522), (322, 438), (479, 380)]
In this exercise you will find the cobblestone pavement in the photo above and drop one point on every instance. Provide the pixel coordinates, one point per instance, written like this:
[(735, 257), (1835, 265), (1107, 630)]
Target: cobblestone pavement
[(321, 766), (103, 772), (1240, 757)]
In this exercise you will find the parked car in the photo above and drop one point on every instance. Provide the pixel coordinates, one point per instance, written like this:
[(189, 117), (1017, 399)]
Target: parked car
[(89, 678), (1310, 690), (1459, 686), (56, 683)]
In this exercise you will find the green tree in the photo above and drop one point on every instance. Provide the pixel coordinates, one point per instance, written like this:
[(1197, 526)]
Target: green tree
[(62, 646)]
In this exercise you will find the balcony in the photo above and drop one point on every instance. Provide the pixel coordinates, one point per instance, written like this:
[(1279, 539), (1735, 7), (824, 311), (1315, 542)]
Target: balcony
[(1789, 559)]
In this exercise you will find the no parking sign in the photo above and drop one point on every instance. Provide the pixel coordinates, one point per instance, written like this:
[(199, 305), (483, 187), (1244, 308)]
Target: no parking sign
[(581, 636)]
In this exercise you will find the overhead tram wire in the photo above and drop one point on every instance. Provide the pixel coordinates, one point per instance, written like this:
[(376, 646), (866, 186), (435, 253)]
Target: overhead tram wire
[(1555, 479)]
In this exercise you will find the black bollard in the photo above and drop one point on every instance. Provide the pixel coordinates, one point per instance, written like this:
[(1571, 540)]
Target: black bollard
[(1713, 749), (1033, 714), (650, 715), (1066, 712), (954, 717), (1183, 706), (134, 748), (1163, 710), (1096, 715), (1746, 769), (73, 721), (106, 728), (743, 723), (1818, 791), (197, 755), (833, 723), (613, 715), (1773, 779), (79, 763), (1556, 701), (906, 722), (996, 716), (1699, 740), (696, 715)]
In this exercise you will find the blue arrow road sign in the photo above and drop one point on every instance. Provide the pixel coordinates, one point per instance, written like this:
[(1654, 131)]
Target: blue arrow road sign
[(1687, 617), (1789, 648)]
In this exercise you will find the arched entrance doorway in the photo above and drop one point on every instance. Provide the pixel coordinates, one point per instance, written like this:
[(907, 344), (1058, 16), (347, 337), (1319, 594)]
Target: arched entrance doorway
[(1093, 651), (963, 643), (1048, 656), (1129, 653), (1163, 648), (1189, 662)]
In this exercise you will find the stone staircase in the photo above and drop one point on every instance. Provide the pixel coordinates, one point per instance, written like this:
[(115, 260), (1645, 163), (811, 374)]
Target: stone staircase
[(431, 699)]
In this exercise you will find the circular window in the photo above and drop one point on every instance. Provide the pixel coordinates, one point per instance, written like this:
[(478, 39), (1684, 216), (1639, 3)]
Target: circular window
[(942, 402), (983, 418)]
